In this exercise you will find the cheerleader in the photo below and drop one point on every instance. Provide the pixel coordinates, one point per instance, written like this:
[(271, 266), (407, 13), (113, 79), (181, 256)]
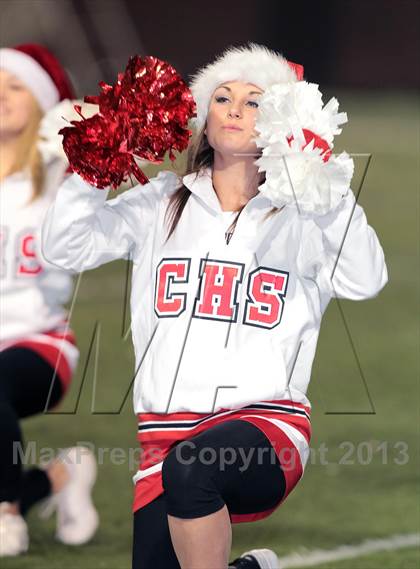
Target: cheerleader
[(38, 352), (228, 292)]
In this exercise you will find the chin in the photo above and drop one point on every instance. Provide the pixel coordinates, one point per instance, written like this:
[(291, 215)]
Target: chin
[(229, 149)]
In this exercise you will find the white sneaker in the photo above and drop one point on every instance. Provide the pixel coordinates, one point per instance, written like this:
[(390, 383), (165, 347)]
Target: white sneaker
[(77, 518), (14, 538), (265, 558)]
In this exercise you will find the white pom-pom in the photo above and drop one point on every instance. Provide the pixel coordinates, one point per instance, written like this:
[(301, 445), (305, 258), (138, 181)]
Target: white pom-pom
[(303, 180), (51, 143), (296, 172)]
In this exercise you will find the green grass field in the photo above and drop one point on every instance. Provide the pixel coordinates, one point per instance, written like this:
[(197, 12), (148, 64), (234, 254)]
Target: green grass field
[(368, 486)]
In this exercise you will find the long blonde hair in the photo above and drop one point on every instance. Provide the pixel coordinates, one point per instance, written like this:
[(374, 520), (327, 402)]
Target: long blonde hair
[(28, 155), (200, 155)]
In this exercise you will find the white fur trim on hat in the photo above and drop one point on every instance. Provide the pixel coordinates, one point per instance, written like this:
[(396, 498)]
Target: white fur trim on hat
[(251, 63), (30, 72)]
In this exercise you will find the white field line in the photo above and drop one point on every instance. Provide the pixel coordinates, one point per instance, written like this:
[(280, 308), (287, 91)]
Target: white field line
[(308, 558)]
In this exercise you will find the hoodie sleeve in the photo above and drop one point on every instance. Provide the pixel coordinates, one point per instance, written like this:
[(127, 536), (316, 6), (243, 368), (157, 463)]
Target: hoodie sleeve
[(349, 262), (82, 230)]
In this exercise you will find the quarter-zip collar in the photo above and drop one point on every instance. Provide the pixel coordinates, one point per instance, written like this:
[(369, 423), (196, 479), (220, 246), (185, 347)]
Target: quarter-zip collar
[(201, 185)]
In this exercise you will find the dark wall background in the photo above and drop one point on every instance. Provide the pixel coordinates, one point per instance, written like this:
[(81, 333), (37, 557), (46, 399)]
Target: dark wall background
[(346, 43)]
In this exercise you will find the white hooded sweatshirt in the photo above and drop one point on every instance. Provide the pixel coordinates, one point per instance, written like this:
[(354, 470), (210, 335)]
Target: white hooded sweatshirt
[(216, 325), (32, 291)]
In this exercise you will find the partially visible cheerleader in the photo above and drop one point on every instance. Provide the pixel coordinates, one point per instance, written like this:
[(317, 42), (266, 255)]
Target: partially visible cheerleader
[(38, 352)]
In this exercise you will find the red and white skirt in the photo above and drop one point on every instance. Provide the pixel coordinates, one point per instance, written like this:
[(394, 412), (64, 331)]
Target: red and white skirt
[(57, 347), (285, 423)]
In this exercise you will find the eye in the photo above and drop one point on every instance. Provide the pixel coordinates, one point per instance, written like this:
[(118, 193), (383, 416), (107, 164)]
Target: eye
[(16, 87), (220, 98), (253, 104)]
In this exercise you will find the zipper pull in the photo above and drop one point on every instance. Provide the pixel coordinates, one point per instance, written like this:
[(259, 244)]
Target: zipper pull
[(228, 236), (232, 227)]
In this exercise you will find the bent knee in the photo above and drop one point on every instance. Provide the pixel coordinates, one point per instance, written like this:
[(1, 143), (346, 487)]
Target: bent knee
[(180, 468), (188, 484)]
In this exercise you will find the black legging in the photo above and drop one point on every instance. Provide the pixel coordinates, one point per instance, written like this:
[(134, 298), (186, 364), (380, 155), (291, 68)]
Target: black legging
[(25, 383), (194, 488)]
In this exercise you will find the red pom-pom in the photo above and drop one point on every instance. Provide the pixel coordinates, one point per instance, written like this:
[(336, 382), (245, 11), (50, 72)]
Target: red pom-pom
[(145, 114)]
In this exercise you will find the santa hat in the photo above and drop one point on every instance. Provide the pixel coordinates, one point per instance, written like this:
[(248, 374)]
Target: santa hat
[(251, 63), (40, 71)]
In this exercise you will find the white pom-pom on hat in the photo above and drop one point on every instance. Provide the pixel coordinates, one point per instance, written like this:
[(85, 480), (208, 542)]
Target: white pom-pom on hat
[(251, 63)]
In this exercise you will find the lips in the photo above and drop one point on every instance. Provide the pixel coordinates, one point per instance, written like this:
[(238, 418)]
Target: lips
[(231, 127)]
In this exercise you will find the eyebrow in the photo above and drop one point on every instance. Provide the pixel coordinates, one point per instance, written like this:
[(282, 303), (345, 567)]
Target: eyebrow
[(250, 93)]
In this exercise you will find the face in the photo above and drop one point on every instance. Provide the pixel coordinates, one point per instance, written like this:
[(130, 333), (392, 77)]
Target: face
[(230, 124), (16, 105)]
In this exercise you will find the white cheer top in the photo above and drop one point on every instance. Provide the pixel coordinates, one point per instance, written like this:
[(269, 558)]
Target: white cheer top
[(32, 290), (217, 325)]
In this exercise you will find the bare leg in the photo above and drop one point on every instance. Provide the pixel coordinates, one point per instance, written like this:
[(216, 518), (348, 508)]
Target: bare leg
[(202, 543)]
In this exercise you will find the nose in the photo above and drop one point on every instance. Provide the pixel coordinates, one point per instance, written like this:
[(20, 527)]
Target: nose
[(234, 112)]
